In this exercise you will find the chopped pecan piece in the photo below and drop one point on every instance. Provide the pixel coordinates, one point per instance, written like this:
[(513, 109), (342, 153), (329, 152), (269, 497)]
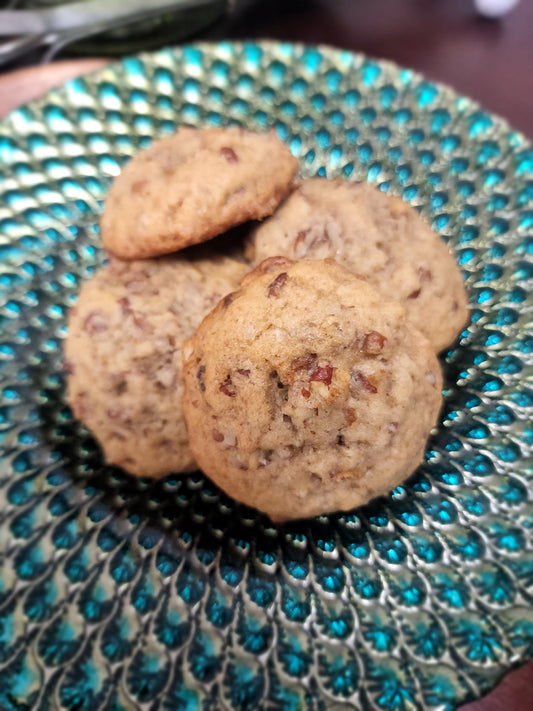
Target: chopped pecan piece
[(373, 343), (228, 388), (140, 321), (304, 362), (119, 385), (226, 301), (277, 284), (322, 374), (364, 382), (300, 238), (350, 415), (68, 367), (135, 286), (323, 238), (95, 322), (268, 265), (125, 306), (139, 187), (425, 274), (200, 377), (229, 154)]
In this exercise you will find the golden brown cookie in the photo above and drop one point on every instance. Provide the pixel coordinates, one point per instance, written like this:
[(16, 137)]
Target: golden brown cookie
[(306, 391), (379, 238), (123, 355), (194, 185)]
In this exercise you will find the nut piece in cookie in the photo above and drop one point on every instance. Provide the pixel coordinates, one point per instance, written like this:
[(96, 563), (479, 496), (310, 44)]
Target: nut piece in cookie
[(308, 392), (123, 356), (194, 185), (379, 238)]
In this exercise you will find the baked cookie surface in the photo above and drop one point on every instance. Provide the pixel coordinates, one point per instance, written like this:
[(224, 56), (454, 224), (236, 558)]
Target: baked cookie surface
[(123, 355), (306, 391), (379, 238), (193, 185)]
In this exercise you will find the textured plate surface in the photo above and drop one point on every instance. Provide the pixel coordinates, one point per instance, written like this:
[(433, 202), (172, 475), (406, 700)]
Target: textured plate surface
[(124, 594)]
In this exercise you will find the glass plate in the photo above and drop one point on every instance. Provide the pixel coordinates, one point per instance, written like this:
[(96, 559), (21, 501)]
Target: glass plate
[(119, 593)]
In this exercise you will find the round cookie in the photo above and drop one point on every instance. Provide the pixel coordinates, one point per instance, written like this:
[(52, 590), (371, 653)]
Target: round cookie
[(123, 355), (308, 392), (379, 238), (194, 185)]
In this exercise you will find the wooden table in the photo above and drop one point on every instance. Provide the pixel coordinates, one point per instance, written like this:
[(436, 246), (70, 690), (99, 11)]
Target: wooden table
[(489, 61)]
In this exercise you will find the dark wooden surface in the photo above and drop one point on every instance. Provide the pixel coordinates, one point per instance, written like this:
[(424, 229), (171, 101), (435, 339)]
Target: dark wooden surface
[(490, 61)]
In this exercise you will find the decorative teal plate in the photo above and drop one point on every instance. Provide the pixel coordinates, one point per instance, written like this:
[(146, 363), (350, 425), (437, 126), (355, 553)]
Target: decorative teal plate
[(125, 594)]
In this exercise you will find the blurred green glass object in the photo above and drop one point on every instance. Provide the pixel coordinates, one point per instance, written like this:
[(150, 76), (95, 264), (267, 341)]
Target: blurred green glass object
[(167, 27)]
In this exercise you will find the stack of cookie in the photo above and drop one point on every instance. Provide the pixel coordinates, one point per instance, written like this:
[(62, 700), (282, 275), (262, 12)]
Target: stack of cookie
[(312, 386)]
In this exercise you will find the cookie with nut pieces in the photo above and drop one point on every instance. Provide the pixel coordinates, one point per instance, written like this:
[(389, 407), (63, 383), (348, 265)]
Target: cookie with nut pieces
[(379, 238), (193, 185), (123, 355), (307, 391)]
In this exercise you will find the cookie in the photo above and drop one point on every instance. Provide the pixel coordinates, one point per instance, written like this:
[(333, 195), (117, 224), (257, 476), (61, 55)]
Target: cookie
[(306, 391), (379, 238), (194, 185), (123, 356)]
